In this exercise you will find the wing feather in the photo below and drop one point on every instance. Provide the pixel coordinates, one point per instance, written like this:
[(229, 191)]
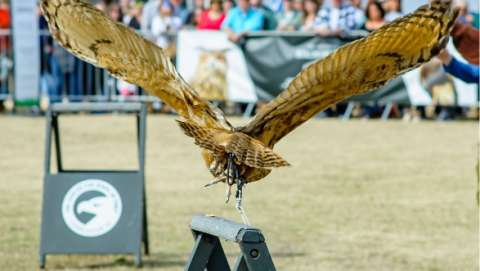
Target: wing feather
[(354, 69), (90, 35), (253, 153)]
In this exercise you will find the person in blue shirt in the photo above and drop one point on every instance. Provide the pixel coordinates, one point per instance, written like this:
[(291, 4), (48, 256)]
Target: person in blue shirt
[(468, 73), (270, 22), (241, 20)]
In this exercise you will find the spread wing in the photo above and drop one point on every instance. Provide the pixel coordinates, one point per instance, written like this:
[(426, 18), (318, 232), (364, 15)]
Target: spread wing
[(90, 35), (356, 68)]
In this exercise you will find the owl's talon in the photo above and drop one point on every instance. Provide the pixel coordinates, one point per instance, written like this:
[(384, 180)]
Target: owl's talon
[(215, 181), (228, 193), (232, 176), (239, 197)]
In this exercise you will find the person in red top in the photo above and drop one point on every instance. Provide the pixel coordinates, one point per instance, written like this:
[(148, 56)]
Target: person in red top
[(5, 52), (4, 15), (212, 18)]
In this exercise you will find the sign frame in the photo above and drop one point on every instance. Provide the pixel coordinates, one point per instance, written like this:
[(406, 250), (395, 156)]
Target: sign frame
[(120, 224)]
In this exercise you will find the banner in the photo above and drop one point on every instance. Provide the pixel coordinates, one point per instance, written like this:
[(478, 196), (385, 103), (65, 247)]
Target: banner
[(265, 63), (393, 92), (27, 50), (274, 59), (214, 66)]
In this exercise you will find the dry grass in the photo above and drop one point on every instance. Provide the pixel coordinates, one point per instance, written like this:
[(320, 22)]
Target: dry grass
[(360, 196)]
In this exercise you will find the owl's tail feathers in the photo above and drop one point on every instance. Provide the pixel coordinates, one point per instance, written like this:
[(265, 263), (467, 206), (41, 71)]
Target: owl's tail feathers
[(247, 150), (253, 153)]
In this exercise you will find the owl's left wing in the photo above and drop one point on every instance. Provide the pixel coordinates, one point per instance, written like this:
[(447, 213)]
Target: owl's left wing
[(356, 68), (90, 35)]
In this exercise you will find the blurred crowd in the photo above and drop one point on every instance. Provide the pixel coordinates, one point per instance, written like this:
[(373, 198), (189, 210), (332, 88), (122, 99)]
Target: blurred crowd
[(340, 16), (160, 20)]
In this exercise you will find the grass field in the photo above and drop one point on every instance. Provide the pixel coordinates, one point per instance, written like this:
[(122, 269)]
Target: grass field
[(360, 195)]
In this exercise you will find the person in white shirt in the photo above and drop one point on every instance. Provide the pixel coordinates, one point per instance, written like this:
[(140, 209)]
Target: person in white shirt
[(360, 17), (150, 11), (164, 24), (338, 19)]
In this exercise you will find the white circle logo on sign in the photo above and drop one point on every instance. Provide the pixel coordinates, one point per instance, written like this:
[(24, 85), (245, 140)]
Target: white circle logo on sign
[(91, 208)]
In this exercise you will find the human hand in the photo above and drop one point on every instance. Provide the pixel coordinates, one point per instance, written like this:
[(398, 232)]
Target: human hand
[(445, 57)]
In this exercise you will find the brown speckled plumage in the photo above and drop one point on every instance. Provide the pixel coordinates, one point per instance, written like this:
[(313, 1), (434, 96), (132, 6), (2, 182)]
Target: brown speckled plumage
[(356, 68), (353, 69)]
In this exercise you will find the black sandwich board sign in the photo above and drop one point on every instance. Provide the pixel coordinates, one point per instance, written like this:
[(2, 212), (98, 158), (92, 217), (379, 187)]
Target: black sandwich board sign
[(93, 211)]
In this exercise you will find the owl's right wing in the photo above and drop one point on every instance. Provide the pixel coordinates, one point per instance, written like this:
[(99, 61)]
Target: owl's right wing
[(90, 35), (356, 68)]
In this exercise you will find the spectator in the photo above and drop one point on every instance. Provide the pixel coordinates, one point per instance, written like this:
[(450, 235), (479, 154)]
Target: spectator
[(212, 19), (47, 80), (464, 71), (359, 12), (337, 20), (5, 61), (131, 13), (125, 6), (200, 4), (466, 40), (103, 4), (126, 89), (114, 11), (274, 5), (393, 10), (298, 6), (135, 16), (375, 16), (270, 22), (464, 14), (476, 19), (150, 11), (289, 19), (199, 7), (242, 19), (4, 15), (310, 15), (5, 21), (441, 88), (197, 16), (227, 5), (164, 24), (180, 10), (65, 70)]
